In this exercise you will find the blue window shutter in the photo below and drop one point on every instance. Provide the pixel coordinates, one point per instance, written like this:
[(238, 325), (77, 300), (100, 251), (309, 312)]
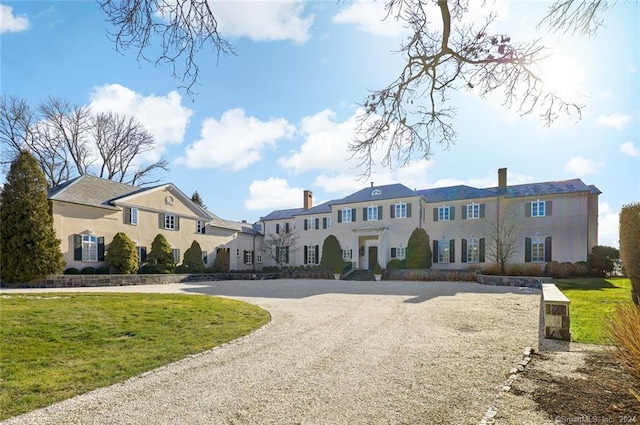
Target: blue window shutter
[(317, 249), (317, 223), (435, 214), (483, 208), (547, 249), (409, 209), (177, 226), (277, 228), (463, 257), (305, 224), (380, 213), (463, 210), (101, 248), (77, 247), (527, 210), (305, 254), (527, 249), (339, 216), (324, 222), (435, 251), (143, 254), (286, 227), (364, 214), (452, 213), (452, 250), (286, 255), (127, 215), (393, 253), (161, 220), (392, 211), (481, 251), (547, 208), (353, 215)]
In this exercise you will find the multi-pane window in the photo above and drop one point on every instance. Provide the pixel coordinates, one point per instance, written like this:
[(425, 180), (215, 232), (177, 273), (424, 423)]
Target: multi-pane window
[(89, 248), (259, 258), (200, 226), (347, 254), (443, 214), (283, 255), (142, 254), (401, 253), (443, 252), (537, 249), (328, 222), (346, 215), (473, 211), (537, 209), (311, 254), (133, 216), (401, 210), (473, 250), (248, 257), (311, 224), (205, 257), (170, 221), (176, 255), (372, 213)]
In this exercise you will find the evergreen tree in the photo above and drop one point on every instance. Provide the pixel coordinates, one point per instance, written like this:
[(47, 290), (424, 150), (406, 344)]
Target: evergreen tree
[(28, 245), (221, 263), (192, 262), (630, 246), (197, 199), (122, 255), (332, 255), (160, 259), (419, 250)]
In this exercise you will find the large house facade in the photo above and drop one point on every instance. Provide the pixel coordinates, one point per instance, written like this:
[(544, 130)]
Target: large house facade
[(552, 221), (88, 211)]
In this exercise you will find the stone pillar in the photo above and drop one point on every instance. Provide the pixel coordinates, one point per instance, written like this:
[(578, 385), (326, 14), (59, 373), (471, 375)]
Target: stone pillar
[(556, 313)]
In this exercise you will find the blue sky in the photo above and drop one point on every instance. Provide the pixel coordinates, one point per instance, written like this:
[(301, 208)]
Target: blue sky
[(277, 118)]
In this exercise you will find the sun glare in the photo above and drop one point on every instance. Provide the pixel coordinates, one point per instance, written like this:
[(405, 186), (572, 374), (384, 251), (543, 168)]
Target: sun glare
[(563, 76)]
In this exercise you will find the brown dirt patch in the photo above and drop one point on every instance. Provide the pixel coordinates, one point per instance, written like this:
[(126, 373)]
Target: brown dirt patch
[(597, 391)]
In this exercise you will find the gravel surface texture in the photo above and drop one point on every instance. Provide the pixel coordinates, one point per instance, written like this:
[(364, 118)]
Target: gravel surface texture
[(335, 352)]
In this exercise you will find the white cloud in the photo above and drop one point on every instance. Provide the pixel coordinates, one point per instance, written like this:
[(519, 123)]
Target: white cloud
[(370, 17), (10, 22), (163, 116), (580, 166), (265, 21), (608, 225), (236, 141), (617, 121), (273, 193), (629, 149)]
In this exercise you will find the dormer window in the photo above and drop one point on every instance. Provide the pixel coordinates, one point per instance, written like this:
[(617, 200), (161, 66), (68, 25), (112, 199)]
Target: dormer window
[(375, 192)]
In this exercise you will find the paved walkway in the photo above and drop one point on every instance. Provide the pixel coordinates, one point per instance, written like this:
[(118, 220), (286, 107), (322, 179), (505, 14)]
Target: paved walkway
[(335, 353)]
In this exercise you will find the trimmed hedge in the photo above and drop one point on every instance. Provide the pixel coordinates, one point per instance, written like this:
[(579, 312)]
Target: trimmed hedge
[(88, 270), (630, 246)]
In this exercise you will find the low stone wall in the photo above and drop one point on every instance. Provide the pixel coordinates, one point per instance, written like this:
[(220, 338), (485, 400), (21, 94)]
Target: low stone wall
[(556, 320), (521, 281), (431, 275), (78, 281)]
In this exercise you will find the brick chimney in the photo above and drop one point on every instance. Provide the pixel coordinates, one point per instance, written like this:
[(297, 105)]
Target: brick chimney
[(307, 201), (502, 178)]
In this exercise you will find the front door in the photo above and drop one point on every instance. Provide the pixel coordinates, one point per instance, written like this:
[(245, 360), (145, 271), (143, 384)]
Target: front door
[(373, 256)]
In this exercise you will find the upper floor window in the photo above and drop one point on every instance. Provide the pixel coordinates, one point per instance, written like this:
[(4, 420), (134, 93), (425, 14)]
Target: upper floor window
[(372, 213), (326, 223), (347, 215), (401, 210), (444, 214), (310, 223), (473, 211), (169, 222), (376, 192), (200, 226), (131, 216), (538, 209)]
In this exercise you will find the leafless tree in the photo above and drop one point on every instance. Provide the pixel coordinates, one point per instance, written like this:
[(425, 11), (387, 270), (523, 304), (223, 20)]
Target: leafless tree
[(182, 27), (69, 141), (502, 240), (277, 246), (576, 16), (120, 140)]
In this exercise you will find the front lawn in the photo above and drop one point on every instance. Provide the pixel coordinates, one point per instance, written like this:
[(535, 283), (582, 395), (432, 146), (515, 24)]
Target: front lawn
[(593, 300), (55, 346)]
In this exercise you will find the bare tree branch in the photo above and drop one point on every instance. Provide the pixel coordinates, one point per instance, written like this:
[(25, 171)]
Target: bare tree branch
[(413, 112), (277, 246), (502, 241), (184, 28), (576, 16)]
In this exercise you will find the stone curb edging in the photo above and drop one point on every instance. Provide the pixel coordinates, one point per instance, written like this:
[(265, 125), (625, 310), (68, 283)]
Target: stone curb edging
[(489, 417)]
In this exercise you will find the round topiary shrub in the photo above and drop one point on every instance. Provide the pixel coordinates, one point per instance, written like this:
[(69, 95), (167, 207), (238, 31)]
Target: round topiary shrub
[(122, 255), (396, 264), (88, 270), (419, 250), (147, 269), (192, 262), (103, 270), (72, 270)]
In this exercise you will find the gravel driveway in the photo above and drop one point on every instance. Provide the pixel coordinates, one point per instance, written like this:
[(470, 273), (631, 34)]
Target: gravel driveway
[(335, 353)]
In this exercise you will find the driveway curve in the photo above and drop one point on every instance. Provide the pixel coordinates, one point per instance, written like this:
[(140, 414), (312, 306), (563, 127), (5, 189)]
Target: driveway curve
[(335, 352)]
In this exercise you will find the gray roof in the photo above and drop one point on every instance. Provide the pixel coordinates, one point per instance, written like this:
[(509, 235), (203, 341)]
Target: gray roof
[(232, 225), (454, 193), (91, 190), (594, 190), (545, 188), (324, 208), (390, 191), (282, 214)]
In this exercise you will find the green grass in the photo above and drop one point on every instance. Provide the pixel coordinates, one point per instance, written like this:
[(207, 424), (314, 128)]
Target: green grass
[(55, 346), (592, 300)]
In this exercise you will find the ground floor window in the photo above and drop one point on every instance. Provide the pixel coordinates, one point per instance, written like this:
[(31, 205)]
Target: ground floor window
[(176, 255), (443, 252), (89, 248), (347, 254), (537, 249)]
